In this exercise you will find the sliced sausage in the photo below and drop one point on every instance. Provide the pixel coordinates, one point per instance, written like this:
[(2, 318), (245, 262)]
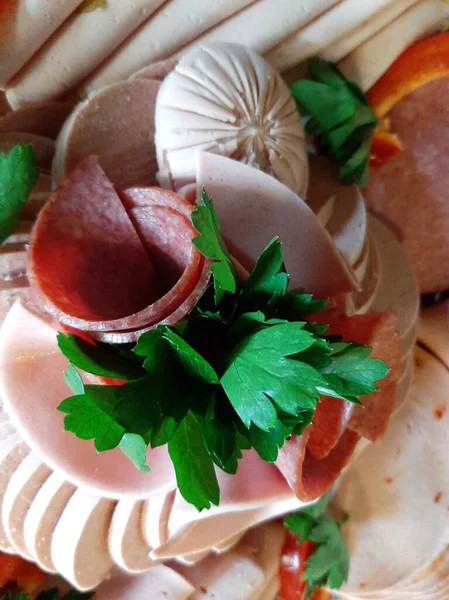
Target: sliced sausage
[(117, 125), (42, 119)]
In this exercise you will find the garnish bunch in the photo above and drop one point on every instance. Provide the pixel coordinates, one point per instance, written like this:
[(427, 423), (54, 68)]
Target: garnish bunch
[(244, 370)]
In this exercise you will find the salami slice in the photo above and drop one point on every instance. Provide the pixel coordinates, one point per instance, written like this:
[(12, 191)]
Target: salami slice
[(329, 423)]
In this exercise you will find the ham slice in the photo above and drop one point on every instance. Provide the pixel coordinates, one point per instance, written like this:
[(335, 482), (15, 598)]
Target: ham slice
[(226, 99), (32, 387), (12, 453), (22, 488), (24, 27), (397, 485), (42, 517), (55, 70), (419, 170), (43, 147), (161, 583), (127, 545), (152, 42), (79, 548), (248, 200), (121, 138), (367, 63), (42, 119), (83, 264), (343, 18)]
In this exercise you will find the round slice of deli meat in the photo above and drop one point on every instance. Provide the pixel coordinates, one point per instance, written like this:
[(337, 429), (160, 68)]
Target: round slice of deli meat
[(79, 547), (127, 544), (42, 517), (226, 99), (116, 125), (22, 488), (396, 492), (42, 119), (43, 147)]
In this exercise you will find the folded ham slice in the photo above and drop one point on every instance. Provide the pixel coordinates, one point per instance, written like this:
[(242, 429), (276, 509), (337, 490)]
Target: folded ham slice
[(122, 138), (24, 27), (187, 20), (247, 199), (55, 70)]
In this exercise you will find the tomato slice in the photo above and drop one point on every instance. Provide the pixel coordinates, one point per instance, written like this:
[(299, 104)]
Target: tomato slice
[(291, 568)]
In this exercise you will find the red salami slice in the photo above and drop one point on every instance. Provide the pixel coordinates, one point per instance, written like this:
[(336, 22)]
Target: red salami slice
[(86, 259), (308, 476), (329, 423), (381, 332), (410, 191), (113, 251)]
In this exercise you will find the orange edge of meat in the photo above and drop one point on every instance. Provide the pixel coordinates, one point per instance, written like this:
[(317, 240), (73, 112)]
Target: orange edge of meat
[(13, 569)]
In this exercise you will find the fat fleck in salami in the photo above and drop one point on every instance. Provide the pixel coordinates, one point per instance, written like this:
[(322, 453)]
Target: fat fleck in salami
[(115, 266)]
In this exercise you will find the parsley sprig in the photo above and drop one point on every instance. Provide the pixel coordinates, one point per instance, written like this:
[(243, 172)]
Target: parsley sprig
[(328, 565), (338, 114), (243, 370), (53, 594)]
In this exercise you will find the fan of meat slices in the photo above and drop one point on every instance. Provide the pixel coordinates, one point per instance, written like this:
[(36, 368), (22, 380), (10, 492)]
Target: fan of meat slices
[(173, 381)]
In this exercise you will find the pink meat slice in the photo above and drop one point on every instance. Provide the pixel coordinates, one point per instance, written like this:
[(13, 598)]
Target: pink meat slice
[(43, 147), (86, 259), (410, 191), (253, 207), (308, 476), (157, 71), (122, 138), (41, 119), (32, 387)]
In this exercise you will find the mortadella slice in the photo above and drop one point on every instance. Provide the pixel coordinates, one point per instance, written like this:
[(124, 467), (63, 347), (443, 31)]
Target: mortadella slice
[(127, 545), (43, 516), (24, 27), (32, 387), (42, 119), (367, 63), (86, 258), (22, 488), (79, 548), (121, 137), (248, 200), (188, 20), (56, 69)]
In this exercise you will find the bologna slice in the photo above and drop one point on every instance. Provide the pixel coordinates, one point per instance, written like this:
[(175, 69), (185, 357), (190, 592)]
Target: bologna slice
[(43, 147), (117, 125), (24, 27), (86, 259), (414, 183), (178, 23), (248, 200), (56, 69), (41, 119), (32, 387)]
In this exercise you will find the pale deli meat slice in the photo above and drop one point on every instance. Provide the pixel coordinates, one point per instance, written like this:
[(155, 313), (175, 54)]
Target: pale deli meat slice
[(400, 484), (367, 63), (122, 137), (43, 516), (127, 544), (152, 42), (248, 200), (12, 453), (24, 27), (79, 547), (56, 69), (32, 387), (22, 488), (155, 516)]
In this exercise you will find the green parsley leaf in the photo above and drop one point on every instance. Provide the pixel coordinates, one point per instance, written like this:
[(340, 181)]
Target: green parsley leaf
[(73, 380), (211, 245), (92, 415), (18, 176), (222, 444), (297, 303), (97, 359), (338, 113), (53, 594), (260, 372), (17, 596), (135, 447), (352, 372), (329, 564), (193, 362), (268, 280), (195, 473)]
